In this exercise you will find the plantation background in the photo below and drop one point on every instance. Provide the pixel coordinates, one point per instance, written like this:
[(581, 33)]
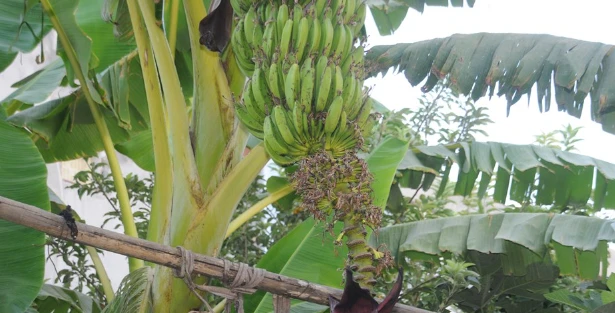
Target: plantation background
[(588, 22)]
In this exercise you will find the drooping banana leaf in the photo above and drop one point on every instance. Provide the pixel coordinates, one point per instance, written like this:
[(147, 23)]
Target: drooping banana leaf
[(23, 178), (35, 88), (576, 300), (550, 176), (579, 243), (93, 39), (22, 28), (515, 294), (388, 14), (65, 127), (475, 63), (56, 299)]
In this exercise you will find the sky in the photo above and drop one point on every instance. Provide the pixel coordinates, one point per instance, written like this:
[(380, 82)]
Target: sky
[(589, 20)]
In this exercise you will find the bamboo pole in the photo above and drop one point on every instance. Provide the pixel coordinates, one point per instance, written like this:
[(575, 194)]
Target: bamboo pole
[(55, 225)]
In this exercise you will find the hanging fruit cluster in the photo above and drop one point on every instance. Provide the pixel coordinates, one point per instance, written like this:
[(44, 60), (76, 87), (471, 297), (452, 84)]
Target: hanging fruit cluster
[(305, 99)]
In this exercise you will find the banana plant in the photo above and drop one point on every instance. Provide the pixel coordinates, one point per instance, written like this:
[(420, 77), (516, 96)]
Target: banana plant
[(133, 98), (172, 95)]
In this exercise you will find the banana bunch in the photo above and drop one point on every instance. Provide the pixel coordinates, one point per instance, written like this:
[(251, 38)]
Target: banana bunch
[(305, 91), (305, 99), (297, 32)]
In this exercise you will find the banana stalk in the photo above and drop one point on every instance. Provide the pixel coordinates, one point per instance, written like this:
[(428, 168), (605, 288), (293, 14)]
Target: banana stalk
[(305, 99)]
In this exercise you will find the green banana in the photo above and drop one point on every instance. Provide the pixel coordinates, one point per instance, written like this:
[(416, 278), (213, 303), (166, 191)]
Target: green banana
[(339, 41), (366, 110), (257, 35), (291, 86), (320, 6), (251, 124), (326, 38), (337, 6), (333, 114), (324, 85), (302, 37), (260, 90), (328, 13), (352, 58), (297, 15), (236, 6), (248, 101), (282, 18), (349, 10), (349, 42), (358, 100), (298, 121), (307, 90), (359, 18), (270, 13), (343, 124), (307, 64), (278, 146), (306, 123), (338, 82), (350, 84), (248, 25), (269, 39), (244, 61), (287, 33), (277, 158), (280, 122), (321, 65), (315, 32), (366, 128), (274, 83)]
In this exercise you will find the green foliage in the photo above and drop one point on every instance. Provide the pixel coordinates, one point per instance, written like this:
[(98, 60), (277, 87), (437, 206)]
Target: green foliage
[(441, 116), (23, 178), (389, 15), (562, 139), (134, 293), (79, 274), (439, 251), (478, 64), (97, 180), (55, 299)]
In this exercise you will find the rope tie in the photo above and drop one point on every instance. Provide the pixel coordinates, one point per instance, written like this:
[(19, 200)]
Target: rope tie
[(244, 282)]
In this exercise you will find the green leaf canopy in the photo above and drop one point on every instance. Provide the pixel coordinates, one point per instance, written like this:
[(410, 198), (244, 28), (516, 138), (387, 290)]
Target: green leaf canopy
[(521, 239), (522, 172), (389, 14), (23, 178), (475, 63)]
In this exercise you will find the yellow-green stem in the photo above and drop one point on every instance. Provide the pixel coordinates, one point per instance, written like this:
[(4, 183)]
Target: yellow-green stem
[(118, 179), (172, 31), (360, 255), (102, 273), (213, 119), (226, 197), (163, 186), (174, 99), (256, 208)]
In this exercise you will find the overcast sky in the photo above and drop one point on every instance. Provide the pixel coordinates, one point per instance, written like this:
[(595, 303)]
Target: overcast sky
[(589, 20)]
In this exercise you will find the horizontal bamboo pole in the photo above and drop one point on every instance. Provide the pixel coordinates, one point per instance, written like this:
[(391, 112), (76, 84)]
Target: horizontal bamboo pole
[(55, 225)]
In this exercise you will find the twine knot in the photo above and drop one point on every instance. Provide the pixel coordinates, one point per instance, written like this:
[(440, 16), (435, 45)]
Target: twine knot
[(245, 281)]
